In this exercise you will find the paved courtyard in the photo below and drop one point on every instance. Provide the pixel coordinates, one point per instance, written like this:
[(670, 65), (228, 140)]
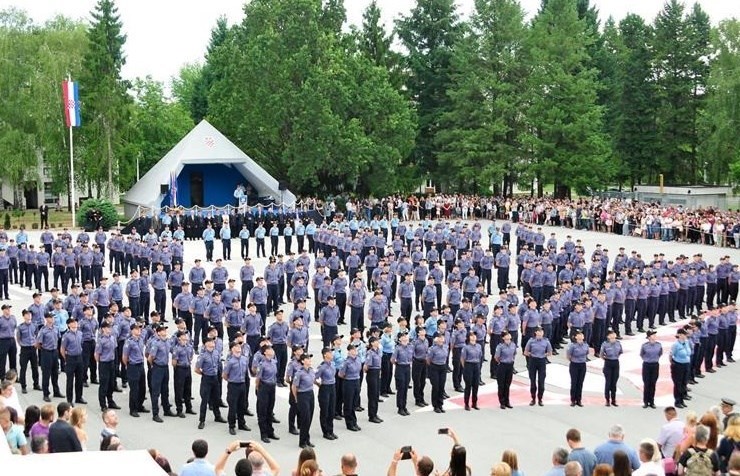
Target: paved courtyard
[(533, 432)]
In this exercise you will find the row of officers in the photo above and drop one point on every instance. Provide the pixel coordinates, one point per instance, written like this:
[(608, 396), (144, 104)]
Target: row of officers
[(150, 356)]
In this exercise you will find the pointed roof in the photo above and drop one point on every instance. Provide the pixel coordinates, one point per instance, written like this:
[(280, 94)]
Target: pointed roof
[(204, 144)]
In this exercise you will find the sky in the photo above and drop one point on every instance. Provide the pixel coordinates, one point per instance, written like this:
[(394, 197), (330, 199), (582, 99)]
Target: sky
[(163, 35)]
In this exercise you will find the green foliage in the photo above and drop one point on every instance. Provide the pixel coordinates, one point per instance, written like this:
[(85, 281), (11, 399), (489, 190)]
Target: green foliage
[(565, 130), (106, 105), (108, 213), (316, 112), (720, 147), (479, 140), (429, 35), (6, 221)]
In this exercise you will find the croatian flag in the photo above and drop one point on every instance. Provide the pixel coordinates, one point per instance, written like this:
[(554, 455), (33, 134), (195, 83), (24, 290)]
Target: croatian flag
[(173, 189), (71, 97)]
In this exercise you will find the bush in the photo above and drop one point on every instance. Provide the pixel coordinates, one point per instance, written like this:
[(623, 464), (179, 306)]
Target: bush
[(86, 215), (6, 221)]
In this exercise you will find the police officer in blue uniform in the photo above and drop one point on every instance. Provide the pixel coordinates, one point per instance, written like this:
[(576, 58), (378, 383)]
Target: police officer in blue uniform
[(265, 380), (207, 366), (302, 389), (372, 368), (402, 358), (650, 353), (350, 373), (437, 369), (610, 351), (133, 359), (74, 368), (158, 353), (105, 355), (47, 341), (326, 380), (577, 353), (471, 358), (538, 349), (26, 337), (504, 355), (235, 375)]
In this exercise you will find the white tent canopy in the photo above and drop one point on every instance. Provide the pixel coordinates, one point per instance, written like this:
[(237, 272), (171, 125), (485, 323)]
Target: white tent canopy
[(202, 145), (87, 463)]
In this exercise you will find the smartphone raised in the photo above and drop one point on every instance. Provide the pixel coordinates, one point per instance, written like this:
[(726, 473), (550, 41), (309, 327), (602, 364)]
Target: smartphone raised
[(443, 431), (245, 444), (406, 452)]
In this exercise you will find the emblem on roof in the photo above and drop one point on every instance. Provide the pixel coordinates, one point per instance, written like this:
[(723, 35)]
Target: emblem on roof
[(209, 141)]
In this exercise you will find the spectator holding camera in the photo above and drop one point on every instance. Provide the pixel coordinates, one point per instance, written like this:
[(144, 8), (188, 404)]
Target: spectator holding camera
[(422, 466), (256, 456)]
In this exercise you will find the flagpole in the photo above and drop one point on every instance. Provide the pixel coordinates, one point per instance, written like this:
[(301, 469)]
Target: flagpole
[(72, 168), (72, 177)]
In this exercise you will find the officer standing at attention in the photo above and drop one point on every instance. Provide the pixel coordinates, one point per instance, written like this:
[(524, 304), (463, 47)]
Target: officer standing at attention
[(158, 357), (437, 368), (74, 368), (350, 373), (610, 351), (26, 337), (326, 380), (403, 355), (47, 341), (538, 349), (207, 367), (650, 353), (373, 362), (470, 358), (225, 234), (302, 389), (680, 363), (105, 356), (504, 356), (577, 354), (419, 366), (235, 374), (182, 356), (208, 236), (265, 380), (133, 359)]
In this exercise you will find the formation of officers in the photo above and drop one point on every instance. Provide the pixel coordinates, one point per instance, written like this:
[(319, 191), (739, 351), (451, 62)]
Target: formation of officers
[(357, 270)]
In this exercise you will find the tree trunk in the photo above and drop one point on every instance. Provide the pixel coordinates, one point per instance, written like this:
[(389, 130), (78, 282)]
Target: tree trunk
[(110, 159)]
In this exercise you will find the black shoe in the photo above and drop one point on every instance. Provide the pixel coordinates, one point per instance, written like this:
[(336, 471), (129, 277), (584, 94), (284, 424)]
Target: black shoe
[(445, 396), (338, 417), (531, 403), (437, 410), (47, 399), (459, 389), (711, 371), (275, 420), (359, 409), (652, 405), (201, 425), (475, 406), (169, 413), (614, 403), (223, 405), (190, 411), (232, 431), (699, 375), (37, 387), (680, 405), (645, 405), (265, 440), (391, 392), (219, 419), (24, 391), (58, 395), (420, 404), (467, 407), (85, 384), (572, 404), (134, 414), (293, 431), (731, 360), (180, 415), (249, 413), (508, 405), (333, 436), (503, 407), (608, 403), (117, 390), (157, 418), (539, 402), (328, 437), (579, 404), (354, 428), (143, 410), (244, 428), (375, 420), (273, 437), (114, 406), (124, 385)]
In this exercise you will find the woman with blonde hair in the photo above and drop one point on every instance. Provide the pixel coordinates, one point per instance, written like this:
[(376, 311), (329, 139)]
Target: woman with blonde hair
[(692, 419), (730, 443), (78, 421), (710, 421), (306, 454), (509, 457), (310, 468), (501, 469)]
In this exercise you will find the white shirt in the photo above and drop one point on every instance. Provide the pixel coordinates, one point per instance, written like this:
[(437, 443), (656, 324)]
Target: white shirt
[(650, 467), (670, 436)]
